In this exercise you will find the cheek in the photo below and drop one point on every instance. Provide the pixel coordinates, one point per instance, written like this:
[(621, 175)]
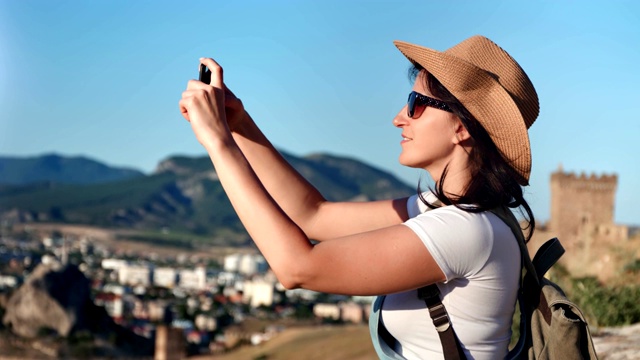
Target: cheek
[(435, 147), (437, 138), (437, 128)]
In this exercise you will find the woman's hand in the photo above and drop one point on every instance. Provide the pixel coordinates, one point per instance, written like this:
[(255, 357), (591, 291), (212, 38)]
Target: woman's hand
[(203, 105)]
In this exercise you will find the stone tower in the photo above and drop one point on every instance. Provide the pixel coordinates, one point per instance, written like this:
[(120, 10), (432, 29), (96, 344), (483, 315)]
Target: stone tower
[(582, 217), (582, 209)]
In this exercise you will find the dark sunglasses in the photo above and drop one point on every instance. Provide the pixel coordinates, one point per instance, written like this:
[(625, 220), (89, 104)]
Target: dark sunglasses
[(418, 102)]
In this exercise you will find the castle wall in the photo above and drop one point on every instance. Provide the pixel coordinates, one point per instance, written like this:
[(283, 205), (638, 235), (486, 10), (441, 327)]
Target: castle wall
[(580, 202), (582, 217)]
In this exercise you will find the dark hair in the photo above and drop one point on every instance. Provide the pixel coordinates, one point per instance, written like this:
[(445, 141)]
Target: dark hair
[(493, 182)]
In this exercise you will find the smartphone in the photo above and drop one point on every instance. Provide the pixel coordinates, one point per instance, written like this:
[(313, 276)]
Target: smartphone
[(205, 74)]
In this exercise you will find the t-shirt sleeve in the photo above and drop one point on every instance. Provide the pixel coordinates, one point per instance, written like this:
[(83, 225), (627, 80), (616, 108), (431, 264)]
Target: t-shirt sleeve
[(459, 241), (415, 206)]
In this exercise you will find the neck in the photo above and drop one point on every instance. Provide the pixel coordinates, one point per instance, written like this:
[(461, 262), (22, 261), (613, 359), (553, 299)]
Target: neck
[(456, 183), (458, 176)]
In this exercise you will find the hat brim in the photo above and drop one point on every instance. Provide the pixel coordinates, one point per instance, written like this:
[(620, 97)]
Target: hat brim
[(483, 96)]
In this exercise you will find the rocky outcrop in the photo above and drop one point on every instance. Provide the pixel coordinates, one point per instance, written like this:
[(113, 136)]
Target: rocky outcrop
[(53, 298), (56, 299)]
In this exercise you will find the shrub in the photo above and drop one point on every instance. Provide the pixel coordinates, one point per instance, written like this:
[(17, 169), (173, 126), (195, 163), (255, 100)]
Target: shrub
[(605, 305), (633, 267)]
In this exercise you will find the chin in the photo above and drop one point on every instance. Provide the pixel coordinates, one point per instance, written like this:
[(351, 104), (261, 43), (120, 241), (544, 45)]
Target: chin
[(403, 162), (410, 163)]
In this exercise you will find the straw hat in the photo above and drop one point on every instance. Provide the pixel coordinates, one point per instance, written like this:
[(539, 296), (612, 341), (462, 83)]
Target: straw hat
[(492, 87)]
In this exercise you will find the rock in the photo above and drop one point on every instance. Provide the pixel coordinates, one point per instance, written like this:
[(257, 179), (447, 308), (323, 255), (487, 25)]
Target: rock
[(57, 298), (618, 343), (54, 297)]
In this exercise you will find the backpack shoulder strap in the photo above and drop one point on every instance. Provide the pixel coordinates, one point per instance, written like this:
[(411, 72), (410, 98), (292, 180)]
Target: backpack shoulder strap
[(508, 218), (547, 255), (451, 347)]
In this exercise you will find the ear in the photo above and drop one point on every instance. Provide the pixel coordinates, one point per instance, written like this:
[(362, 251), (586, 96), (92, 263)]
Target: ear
[(460, 133)]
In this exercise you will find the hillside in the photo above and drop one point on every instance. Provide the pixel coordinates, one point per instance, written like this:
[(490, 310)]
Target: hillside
[(59, 169), (183, 195)]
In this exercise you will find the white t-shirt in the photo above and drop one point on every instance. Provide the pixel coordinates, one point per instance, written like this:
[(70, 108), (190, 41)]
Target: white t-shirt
[(480, 259)]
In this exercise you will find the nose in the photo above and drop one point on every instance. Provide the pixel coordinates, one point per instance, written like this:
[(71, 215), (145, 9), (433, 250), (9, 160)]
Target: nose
[(401, 118)]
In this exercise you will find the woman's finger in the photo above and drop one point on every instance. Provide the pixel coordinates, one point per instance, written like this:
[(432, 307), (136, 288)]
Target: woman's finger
[(183, 109), (216, 72), (187, 93), (195, 84), (188, 100)]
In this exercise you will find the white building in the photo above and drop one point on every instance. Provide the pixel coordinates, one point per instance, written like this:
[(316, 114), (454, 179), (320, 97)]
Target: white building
[(327, 311), (352, 312), (302, 294), (195, 279), (135, 275), (114, 289), (225, 278), (8, 281), (206, 322), (113, 264), (258, 292), (112, 303), (165, 277), (246, 264)]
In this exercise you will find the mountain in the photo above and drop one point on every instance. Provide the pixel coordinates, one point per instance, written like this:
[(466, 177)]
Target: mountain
[(183, 195), (59, 169)]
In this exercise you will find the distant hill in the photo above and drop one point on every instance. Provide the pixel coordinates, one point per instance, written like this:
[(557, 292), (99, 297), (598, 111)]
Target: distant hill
[(183, 195), (53, 168)]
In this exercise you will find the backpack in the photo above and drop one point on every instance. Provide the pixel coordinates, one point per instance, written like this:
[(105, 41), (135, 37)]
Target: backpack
[(551, 326)]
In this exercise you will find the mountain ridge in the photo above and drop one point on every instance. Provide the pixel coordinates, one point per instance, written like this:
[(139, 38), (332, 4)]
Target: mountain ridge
[(53, 167), (184, 195)]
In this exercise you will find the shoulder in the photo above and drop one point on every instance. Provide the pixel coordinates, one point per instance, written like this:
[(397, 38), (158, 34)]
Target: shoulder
[(461, 242), (454, 220)]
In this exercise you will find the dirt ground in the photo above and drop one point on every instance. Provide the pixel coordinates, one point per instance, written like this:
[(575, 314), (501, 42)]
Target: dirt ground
[(309, 343)]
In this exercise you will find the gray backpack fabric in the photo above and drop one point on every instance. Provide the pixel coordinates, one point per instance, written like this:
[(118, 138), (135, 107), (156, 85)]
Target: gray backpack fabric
[(551, 326)]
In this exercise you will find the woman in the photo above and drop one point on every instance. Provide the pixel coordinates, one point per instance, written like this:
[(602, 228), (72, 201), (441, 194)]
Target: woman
[(466, 124)]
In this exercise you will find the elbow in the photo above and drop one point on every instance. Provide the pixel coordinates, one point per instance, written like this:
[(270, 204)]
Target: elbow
[(293, 277), (290, 280), (288, 284)]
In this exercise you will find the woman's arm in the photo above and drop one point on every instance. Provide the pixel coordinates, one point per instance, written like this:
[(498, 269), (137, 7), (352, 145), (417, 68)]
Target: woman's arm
[(317, 217), (385, 260)]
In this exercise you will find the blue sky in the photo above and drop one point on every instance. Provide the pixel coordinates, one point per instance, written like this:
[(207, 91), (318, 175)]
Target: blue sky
[(103, 78)]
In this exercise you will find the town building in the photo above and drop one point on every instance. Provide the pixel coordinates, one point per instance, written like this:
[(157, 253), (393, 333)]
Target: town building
[(326, 310), (258, 292), (165, 277), (193, 279), (135, 275), (245, 264)]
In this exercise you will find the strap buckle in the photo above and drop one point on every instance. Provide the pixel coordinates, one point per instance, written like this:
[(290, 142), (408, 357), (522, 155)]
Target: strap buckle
[(440, 317)]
